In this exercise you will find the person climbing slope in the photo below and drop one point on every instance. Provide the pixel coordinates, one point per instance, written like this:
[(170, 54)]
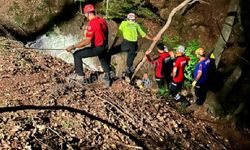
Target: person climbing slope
[(97, 36), (129, 30)]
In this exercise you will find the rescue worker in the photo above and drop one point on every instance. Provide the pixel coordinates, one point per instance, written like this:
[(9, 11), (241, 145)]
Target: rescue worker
[(161, 73), (215, 80), (129, 30), (179, 65), (201, 71), (97, 36)]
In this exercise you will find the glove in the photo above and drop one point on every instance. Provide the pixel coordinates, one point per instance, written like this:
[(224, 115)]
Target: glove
[(70, 48), (194, 83)]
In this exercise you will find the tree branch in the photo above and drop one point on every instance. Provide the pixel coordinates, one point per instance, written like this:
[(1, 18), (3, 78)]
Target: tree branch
[(172, 13)]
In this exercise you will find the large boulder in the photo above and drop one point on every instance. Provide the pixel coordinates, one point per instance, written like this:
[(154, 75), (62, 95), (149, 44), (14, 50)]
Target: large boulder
[(26, 17)]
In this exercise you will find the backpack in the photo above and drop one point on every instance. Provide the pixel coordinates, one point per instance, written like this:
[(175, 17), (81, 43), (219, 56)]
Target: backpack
[(167, 67)]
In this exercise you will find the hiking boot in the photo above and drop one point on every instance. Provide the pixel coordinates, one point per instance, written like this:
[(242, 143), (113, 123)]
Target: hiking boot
[(112, 75), (177, 97), (127, 76), (76, 77)]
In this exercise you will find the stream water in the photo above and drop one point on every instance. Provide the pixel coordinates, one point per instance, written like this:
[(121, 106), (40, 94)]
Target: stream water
[(53, 42)]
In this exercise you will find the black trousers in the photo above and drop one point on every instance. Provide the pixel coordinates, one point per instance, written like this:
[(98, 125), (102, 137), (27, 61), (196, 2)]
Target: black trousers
[(101, 52), (161, 82), (175, 88), (125, 46), (201, 93)]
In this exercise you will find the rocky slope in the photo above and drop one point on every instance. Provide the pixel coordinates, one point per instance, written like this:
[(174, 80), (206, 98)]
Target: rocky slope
[(40, 109)]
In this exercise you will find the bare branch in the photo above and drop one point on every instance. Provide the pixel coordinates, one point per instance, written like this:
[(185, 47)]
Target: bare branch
[(172, 13)]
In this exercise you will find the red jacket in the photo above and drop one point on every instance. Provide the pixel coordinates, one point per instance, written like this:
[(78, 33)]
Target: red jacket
[(97, 30), (180, 63), (158, 62)]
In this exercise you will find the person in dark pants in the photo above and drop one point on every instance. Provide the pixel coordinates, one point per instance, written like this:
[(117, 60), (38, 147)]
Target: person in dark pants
[(179, 65), (129, 30), (97, 36), (200, 77), (163, 66)]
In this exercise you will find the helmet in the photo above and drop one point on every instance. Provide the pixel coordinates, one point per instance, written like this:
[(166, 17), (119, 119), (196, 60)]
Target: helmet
[(88, 8), (200, 51), (165, 49), (131, 16), (212, 56), (180, 49)]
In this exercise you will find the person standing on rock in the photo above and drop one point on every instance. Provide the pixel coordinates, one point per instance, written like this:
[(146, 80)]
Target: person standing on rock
[(180, 63), (201, 71), (129, 30), (97, 37), (163, 66)]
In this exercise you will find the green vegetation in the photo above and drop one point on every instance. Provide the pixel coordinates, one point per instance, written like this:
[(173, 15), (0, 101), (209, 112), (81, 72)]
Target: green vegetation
[(190, 48), (120, 9), (164, 92), (171, 41), (18, 19)]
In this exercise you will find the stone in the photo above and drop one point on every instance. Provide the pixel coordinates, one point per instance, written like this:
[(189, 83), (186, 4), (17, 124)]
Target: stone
[(27, 17)]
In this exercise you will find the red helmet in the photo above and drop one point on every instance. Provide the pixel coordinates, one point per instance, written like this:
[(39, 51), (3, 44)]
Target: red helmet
[(88, 8)]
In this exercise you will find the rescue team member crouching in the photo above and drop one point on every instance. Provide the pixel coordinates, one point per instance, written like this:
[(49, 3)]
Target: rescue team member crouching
[(162, 66), (200, 77), (97, 36), (180, 63), (129, 30)]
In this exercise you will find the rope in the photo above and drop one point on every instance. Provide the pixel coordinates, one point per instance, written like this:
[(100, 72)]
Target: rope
[(33, 48), (48, 49)]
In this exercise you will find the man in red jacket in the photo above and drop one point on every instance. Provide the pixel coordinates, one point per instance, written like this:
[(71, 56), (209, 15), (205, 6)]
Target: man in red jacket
[(97, 36), (178, 72), (162, 66)]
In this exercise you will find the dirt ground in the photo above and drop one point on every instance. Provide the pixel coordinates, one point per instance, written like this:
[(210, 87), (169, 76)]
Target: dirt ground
[(40, 109)]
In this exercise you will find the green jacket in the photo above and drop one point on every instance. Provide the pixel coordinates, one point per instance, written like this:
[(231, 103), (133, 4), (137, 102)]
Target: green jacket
[(129, 30)]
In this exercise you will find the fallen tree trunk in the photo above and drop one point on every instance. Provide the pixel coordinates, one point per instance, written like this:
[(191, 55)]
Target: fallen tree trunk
[(226, 31), (172, 13)]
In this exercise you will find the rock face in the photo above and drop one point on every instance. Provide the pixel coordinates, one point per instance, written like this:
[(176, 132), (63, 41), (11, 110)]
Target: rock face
[(158, 3), (27, 17)]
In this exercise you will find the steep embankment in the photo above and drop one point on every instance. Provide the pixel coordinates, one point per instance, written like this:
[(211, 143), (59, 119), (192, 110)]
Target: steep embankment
[(41, 110)]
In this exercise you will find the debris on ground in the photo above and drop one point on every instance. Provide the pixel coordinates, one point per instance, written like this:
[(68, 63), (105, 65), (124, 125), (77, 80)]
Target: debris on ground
[(40, 109)]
